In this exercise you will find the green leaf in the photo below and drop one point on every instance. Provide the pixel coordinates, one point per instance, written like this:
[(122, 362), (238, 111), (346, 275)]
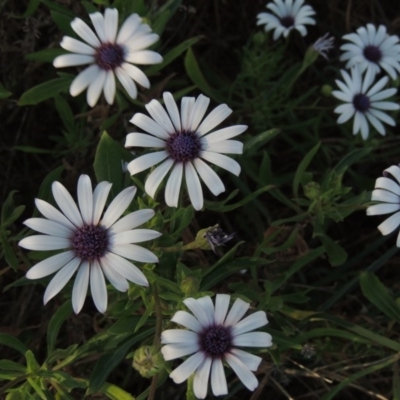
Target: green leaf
[(172, 55), (45, 187), (65, 113), (63, 22), (55, 323), (4, 93), (31, 149), (337, 255), (302, 168), (31, 362), (351, 158), (9, 254), (45, 91), (32, 7), (114, 392), (259, 140), (107, 163), (13, 342), (378, 295), (46, 55), (9, 365)]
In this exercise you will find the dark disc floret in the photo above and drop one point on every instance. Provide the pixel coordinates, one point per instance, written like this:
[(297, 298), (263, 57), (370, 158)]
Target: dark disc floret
[(287, 21), (216, 340), (90, 242), (109, 56), (372, 53), (361, 102), (183, 146)]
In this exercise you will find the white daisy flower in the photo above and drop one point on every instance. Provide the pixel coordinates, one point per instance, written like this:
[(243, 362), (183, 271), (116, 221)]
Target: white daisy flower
[(212, 339), (387, 194), (110, 53), (184, 142), (289, 15), (364, 102), (91, 245), (372, 49), (323, 44)]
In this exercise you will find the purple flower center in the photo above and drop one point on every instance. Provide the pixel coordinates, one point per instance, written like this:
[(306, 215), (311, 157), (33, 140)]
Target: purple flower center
[(361, 102), (287, 21), (90, 242), (372, 53), (183, 146), (216, 340), (109, 56)]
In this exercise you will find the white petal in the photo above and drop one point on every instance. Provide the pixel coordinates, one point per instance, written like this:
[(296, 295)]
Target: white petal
[(390, 224), (99, 26), (118, 206), (245, 375), (111, 23), (198, 111), (149, 125), (133, 220), (128, 28), (135, 236), (221, 308), (99, 200), (72, 60), (222, 161), (180, 336), (115, 278), (253, 339), (249, 360), (194, 186), (83, 80), (66, 204), (157, 112), (53, 214), (379, 209), (214, 118), (135, 253), (202, 308), (135, 139), (95, 88), (142, 41), (210, 178), (187, 320), (144, 57), (127, 82), (187, 104), (76, 46), (126, 269), (253, 321), (226, 146), (79, 290), (85, 198), (394, 170), (172, 109), (44, 242), (218, 379), (50, 265), (156, 177), (109, 87), (136, 74), (200, 382), (236, 313), (226, 133), (148, 160), (61, 279), (83, 30), (98, 287), (187, 368), (174, 182), (49, 227), (387, 184), (172, 351)]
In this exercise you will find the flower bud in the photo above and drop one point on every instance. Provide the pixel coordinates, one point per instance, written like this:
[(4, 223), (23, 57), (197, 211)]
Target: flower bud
[(148, 361), (312, 190)]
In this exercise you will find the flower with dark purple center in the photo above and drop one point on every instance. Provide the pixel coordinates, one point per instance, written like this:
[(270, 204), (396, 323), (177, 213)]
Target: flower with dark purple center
[(183, 146), (216, 340), (372, 53), (109, 56), (361, 102), (287, 21), (90, 242)]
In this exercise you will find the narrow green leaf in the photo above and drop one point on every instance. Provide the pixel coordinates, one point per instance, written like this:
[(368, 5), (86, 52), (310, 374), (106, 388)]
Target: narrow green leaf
[(45, 187), (9, 254), (13, 342), (4, 93), (259, 140), (63, 21), (45, 91), (9, 365), (32, 7), (302, 168), (31, 149), (337, 255), (31, 362), (107, 163), (46, 55), (378, 295), (351, 158), (55, 323), (115, 392)]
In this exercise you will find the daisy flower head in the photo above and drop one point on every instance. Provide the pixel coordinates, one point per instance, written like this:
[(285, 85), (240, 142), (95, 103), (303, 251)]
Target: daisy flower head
[(372, 49), (287, 15), (184, 141), (323, 44), (387, 196), (110, 53), (364, 102), (212, 339), (93, 245)]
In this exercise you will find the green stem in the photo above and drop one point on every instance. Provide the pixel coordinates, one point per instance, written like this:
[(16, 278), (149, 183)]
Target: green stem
[(189, 246)]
